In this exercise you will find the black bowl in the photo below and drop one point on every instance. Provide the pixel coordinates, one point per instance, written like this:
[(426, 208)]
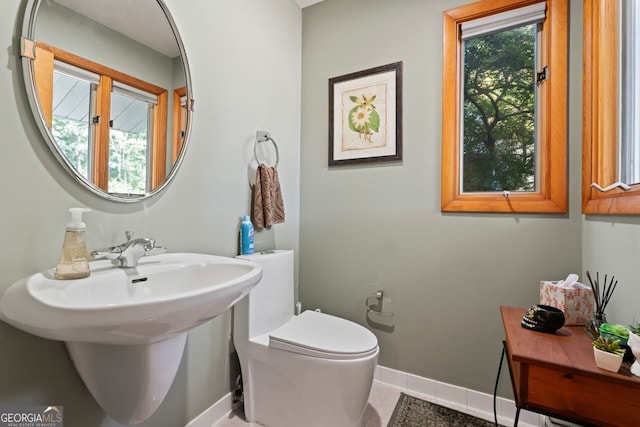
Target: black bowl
[(543, 318)]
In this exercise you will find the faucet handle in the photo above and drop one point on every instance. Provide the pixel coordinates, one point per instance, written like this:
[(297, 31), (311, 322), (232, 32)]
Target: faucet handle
[(155, 250), (150, 247), (129, 234)]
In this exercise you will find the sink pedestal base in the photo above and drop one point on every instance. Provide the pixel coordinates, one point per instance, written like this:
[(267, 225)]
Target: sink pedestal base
[(128, 381)]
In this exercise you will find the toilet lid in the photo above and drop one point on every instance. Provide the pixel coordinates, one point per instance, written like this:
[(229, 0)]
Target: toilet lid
[(322, 335)]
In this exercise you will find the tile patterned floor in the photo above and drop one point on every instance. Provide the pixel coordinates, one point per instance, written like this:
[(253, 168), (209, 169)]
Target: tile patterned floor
[(382, 401)]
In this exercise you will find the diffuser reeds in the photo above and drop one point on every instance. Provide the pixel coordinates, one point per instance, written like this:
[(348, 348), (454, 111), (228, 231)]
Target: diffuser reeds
[(603, 294)]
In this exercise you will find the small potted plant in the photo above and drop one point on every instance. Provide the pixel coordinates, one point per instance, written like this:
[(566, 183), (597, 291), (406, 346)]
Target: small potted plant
[(608, 354)]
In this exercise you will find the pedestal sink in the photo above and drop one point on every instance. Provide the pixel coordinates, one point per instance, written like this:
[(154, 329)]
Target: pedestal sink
[(125, 328)]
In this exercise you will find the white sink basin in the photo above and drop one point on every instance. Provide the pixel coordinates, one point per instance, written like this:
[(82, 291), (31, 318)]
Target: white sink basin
[(126, 328), (164, 295)]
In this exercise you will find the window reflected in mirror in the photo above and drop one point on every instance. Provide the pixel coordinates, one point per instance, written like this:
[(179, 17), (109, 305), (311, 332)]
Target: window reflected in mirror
[(111, 127), (129, 142), (73, 108)]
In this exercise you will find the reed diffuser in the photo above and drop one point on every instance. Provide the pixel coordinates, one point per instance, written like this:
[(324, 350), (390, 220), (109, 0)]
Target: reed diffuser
[(601, 295)]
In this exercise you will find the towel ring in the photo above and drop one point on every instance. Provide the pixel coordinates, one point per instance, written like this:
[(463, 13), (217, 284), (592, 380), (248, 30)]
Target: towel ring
[(262, 136)]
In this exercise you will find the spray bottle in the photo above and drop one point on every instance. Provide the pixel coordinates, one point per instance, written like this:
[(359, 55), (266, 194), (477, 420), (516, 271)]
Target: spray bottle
[(246, 236)]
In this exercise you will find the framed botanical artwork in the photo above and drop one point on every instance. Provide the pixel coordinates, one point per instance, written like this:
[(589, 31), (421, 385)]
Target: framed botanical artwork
[(365, 116)]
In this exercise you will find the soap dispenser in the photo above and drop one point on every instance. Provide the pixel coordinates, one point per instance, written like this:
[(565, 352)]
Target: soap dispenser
[(74, 259)]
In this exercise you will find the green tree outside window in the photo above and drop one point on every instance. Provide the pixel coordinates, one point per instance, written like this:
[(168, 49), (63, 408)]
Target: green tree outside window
[(498, 111)]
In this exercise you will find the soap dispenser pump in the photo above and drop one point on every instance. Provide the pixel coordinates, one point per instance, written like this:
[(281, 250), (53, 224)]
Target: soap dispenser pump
[(74, 259)]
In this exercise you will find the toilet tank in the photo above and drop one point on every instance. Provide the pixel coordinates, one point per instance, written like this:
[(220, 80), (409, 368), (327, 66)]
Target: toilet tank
[(270, 302)]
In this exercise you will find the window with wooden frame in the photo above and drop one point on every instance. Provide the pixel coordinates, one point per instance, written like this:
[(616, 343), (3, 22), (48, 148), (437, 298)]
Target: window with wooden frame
[(504, 97), (126, 119), (611, 108)]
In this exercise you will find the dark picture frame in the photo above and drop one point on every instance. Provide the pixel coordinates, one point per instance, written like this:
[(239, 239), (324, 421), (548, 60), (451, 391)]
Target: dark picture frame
[(365, 116)]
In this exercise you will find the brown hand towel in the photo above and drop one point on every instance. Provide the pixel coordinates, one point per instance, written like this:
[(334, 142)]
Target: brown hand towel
[(268, 207)]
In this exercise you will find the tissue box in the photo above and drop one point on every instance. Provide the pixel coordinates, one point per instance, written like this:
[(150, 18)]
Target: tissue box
[(577, 304)]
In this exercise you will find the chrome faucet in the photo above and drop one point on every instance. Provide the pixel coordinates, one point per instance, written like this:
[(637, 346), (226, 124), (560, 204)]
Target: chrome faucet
[(129, 253)]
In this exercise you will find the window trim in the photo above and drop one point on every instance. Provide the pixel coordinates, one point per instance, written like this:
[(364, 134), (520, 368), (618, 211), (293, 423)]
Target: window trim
[(179, 120), (551, 196), (600, 113)]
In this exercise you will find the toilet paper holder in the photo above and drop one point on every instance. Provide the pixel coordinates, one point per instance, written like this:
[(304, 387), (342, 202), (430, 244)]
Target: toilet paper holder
[(376, 307)]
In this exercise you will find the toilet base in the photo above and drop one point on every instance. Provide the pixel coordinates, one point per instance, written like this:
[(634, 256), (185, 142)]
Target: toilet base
[(284, 389)]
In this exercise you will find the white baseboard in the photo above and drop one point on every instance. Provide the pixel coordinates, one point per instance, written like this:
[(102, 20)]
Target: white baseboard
[(214, 413), (461, 399)]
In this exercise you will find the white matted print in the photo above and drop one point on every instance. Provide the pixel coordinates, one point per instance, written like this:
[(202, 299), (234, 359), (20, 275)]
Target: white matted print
[(365, 116)]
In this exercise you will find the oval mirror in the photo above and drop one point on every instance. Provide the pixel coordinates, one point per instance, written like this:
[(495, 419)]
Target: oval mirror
[(109, 85)]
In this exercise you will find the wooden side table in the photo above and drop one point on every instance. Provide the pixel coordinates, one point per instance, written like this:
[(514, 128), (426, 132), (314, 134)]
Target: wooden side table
[(556, 375)]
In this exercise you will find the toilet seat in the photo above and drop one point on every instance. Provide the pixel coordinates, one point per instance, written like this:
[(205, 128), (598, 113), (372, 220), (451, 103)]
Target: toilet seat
[(321, 335)]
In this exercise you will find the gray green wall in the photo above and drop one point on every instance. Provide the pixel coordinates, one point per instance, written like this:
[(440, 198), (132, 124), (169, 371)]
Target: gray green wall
[(612, 246), (245, 65), (370, 227)]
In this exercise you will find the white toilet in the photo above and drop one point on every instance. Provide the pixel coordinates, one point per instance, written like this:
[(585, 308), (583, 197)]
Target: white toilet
[(309, 370)]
